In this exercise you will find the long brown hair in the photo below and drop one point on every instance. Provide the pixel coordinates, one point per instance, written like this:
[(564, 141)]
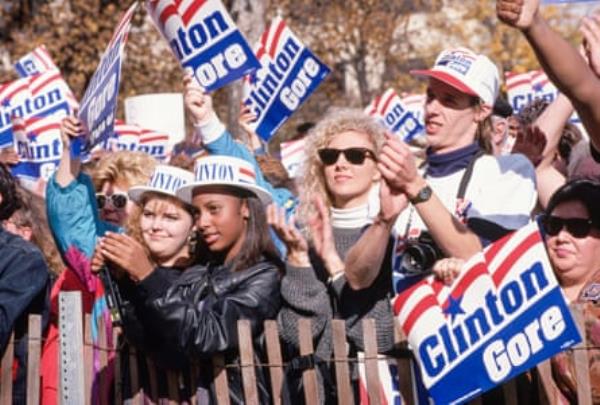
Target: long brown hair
[(32, 214), (257, 244)]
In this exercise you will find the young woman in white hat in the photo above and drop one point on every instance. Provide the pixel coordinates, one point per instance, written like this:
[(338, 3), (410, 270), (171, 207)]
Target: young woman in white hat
[(236, 276), (159, 230)]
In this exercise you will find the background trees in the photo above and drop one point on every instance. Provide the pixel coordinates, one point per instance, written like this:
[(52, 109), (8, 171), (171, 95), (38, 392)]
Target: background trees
[(369, 44)]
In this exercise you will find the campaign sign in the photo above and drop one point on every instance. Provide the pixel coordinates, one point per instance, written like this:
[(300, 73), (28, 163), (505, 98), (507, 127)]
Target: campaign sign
[(393, 115), (204, 39), (35, 62), (504, 314), (293, 156), (34, 96), (415, 103), (135, 138), (37, 142), (39, 61), (523, 88), (289, 74), (99, 103)]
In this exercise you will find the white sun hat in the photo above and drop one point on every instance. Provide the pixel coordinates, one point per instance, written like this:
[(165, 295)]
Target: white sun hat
[(165, 180), (224, 171)]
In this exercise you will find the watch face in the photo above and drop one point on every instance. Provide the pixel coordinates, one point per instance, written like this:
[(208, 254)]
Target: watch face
[(423, 195)]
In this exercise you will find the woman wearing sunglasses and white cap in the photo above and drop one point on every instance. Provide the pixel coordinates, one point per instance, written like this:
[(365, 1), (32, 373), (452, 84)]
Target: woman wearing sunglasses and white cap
[(236, 275)]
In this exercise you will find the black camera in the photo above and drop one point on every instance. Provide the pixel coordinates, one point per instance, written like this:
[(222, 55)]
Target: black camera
[(420, 255)]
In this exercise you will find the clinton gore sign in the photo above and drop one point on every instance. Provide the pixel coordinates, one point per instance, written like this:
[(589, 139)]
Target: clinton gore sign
[(204, 39), (503, 315)]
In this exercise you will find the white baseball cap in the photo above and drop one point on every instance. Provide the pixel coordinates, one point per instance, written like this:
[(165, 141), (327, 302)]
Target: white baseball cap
[(165, 180), (224, 171), (466, 71)]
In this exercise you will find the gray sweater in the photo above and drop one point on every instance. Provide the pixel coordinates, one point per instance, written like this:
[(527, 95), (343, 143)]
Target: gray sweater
[(306, 295)]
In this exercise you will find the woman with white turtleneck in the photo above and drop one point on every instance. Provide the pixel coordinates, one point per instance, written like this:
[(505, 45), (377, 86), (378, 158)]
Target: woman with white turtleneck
[(339, 197)]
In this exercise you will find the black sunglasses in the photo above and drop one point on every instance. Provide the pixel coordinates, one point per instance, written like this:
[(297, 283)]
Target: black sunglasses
[(356, 156), (578, 227), (118, 200)]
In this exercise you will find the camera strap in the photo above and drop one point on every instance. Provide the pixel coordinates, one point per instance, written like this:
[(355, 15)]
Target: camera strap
[(462, 187)]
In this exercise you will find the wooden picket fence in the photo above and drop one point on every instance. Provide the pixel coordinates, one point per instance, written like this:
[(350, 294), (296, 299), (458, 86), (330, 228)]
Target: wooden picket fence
[(275, 367)]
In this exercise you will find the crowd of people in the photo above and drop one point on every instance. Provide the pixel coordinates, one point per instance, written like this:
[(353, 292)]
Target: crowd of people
[(197, 244)]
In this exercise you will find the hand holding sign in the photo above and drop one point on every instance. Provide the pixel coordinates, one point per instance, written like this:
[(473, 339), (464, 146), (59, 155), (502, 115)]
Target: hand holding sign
[(70, 127), (198, 102), (8, 156), (517, 13)]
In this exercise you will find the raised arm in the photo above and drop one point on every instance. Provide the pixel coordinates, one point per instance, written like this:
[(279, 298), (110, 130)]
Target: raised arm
[(68, 167), (218, 141), (566, 68), (363, 261), (398, 167)]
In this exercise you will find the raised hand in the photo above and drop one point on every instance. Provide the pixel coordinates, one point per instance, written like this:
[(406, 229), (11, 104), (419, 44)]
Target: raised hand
[(246, 118), (197, 101), (126, 253), (9, 156), (70, 127), (392, 203), (531, 143), (286, 230), (517, 13), (397, 165), (590, 29), (322, 234)]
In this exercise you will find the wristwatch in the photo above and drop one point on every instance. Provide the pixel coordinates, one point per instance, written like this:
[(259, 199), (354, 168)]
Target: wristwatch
[(423, 195)]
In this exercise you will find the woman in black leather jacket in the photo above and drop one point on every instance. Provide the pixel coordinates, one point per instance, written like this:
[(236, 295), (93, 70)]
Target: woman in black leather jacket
[(236, 277)]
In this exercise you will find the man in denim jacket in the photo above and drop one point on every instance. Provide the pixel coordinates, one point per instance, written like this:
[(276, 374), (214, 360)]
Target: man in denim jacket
[(23, 283)]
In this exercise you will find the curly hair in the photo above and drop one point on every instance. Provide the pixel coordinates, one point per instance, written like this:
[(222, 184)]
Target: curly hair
[(131, 168), (11, 201), (311, 182)]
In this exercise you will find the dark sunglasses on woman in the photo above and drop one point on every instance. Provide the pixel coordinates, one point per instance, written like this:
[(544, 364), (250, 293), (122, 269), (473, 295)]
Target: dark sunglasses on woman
[(118, 200), (578, 227), (356, 156)]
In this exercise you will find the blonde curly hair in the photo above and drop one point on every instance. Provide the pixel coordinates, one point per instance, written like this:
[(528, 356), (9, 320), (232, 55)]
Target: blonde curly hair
[(125, 167), (311, 182)]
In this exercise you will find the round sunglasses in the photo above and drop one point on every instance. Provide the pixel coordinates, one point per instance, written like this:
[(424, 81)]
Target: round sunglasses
[(578, 227), (355, 156), (117, 200)]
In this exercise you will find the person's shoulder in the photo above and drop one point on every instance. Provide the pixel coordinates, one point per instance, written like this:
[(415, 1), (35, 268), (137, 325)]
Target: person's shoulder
[(16, 249), (506, 164)]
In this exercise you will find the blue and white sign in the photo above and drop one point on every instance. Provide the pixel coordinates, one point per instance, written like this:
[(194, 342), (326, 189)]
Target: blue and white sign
[(290, 73), (504, 314), (35, 62), (38, 143), (34, 96), (99, 103), (393, 115), (204, 39)]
